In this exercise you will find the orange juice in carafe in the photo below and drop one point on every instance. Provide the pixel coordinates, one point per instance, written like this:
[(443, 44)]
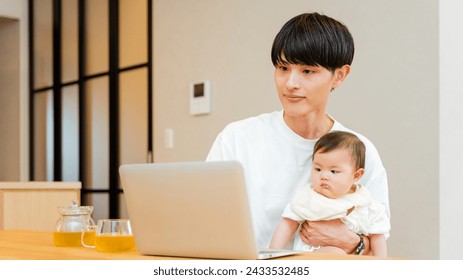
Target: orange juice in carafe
[(67, 239), (70, 225)]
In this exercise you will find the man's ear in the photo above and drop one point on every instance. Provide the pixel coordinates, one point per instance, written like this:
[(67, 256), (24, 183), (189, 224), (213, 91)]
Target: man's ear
[(358, 174), (340, 74)]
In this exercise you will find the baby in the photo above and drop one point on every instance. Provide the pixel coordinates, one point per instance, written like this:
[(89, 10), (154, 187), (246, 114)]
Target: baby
[(333, 193)]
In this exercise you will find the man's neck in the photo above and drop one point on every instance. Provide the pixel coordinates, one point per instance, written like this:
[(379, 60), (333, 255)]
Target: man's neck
[(310, 126)]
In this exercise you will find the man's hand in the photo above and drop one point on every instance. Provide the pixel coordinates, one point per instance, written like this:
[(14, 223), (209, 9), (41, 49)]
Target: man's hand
[(329, 233)]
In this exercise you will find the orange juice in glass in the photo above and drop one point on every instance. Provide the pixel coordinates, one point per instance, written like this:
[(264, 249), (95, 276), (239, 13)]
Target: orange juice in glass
[(114, 243), (110, 235)]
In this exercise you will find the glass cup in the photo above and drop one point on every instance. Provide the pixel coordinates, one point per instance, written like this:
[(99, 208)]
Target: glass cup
[(109, 235)]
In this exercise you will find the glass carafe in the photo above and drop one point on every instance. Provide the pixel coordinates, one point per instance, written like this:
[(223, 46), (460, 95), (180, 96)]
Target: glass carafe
[(71, 223)]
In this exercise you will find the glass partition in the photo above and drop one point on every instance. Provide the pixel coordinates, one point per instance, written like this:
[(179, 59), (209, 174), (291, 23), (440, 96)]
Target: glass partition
[(70, 134), (91, 94), (43, 136)]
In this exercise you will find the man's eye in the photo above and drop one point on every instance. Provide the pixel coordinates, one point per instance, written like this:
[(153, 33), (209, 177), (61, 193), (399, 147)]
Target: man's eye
[(307, 71), (283, 68)]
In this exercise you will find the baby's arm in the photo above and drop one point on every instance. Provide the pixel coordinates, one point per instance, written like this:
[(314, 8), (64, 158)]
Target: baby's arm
[(283, 233), (378, 245)]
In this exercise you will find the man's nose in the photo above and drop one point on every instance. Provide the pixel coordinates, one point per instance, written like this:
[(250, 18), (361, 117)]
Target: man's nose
[(293, 80)]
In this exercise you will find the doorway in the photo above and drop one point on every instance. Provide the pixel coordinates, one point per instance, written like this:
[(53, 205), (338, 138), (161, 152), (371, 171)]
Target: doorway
[(9, 100)]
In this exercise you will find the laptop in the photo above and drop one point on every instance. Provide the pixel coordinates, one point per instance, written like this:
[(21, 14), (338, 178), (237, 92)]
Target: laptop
[(191, 209)]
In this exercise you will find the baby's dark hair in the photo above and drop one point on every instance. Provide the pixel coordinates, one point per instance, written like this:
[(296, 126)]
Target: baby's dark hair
[(315, 40), (342, 140)]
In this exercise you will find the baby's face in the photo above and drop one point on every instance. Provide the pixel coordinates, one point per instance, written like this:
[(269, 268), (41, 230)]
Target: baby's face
[(333, 173)]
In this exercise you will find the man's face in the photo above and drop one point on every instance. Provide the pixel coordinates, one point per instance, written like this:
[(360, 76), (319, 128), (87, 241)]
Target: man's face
[(304, 89)]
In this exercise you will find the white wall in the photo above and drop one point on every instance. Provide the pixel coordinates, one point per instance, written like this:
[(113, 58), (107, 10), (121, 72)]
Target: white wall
[(391, 96), (451, 133), (11, 8)]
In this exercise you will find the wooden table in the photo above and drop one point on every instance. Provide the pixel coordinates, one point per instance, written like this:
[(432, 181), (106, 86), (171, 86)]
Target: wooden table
[(38, 245)]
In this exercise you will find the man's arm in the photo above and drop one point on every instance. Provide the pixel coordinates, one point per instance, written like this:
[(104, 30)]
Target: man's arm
[(332, 233)]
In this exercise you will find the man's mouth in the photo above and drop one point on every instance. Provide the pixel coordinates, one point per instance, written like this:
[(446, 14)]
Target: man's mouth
[(294, 97)]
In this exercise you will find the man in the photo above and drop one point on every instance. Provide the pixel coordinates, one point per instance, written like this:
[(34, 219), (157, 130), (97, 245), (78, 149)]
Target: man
[(312, 55)]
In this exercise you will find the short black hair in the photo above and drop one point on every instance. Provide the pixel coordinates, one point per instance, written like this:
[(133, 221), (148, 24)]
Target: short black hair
[(315, 40)]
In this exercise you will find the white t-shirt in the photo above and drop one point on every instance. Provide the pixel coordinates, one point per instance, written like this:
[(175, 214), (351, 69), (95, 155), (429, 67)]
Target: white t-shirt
[(277, 161)]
